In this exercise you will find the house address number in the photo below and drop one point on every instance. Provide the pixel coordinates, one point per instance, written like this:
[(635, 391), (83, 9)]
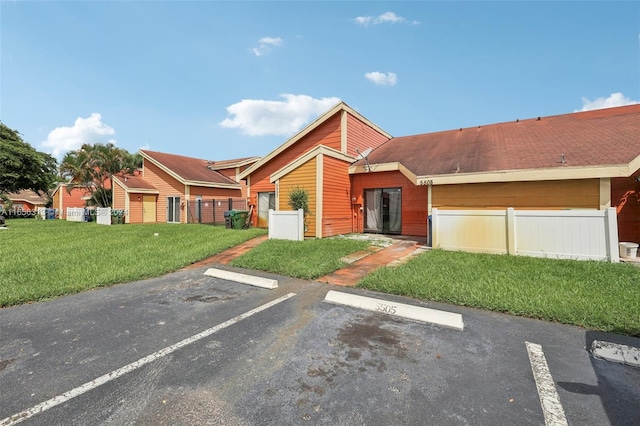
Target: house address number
[(387, 309)]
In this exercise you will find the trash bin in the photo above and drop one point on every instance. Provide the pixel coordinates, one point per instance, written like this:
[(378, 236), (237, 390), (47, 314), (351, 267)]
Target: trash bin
[(629, 250), (239, 218), (117, 217), (50, 214), (227, 219)]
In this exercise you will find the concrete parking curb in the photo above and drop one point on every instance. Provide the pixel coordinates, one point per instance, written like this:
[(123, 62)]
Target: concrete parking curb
[(433, 316), (622, 354), (242, 278)]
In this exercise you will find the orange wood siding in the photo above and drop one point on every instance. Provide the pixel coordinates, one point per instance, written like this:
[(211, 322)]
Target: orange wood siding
[(336, 198), (167, 185), (414, 199), (361, 136), (209, 193), (74, 199), (57, 199), (135, 208), (581, 194), (119, 197), (328, 134), (303, 177), (625, 197)]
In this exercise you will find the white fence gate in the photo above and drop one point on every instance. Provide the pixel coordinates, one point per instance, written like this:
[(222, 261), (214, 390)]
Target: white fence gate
[(103, 215), (286, 225), (562, 234), (75, 214)]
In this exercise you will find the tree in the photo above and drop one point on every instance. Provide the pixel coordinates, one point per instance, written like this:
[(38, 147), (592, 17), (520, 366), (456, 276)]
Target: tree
[(299, 199), (21, 166), (91, 166)]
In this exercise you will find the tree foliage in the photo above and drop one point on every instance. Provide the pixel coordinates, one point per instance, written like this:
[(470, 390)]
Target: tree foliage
[(92, 166), (22, 166), (299, 199)]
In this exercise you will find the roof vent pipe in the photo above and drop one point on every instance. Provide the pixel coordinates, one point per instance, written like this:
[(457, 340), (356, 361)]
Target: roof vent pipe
[(562, 160)]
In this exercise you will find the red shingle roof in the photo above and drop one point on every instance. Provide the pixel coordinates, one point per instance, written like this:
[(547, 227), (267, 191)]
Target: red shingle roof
[(27, 195), (134, 182), (188, 168), (229, 164), (593, 138)]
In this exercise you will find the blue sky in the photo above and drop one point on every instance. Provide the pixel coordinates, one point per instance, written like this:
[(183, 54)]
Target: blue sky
[(222, 80)]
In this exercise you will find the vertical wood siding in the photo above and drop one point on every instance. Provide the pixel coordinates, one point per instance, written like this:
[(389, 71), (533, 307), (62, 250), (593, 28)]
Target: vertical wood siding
[(414, 199), (57, 200), (167, 185), (625, 197), (118, 197), (135, 208), (361, 136), (303, 177), (552, 195), (336, 199)]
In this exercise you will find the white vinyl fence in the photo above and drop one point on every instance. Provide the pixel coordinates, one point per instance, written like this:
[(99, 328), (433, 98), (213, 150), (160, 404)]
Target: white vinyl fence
[(75, 214), (562, 234), (103, 215), (286, 225)]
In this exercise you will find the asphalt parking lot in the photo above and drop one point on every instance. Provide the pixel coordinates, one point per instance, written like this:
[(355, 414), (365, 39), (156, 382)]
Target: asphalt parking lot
[(192, 349)]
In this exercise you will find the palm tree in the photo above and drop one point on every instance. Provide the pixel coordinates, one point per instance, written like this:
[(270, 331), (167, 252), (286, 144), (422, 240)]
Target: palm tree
[(91, 166)]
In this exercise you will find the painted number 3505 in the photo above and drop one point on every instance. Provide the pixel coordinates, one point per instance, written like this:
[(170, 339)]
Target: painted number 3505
[(387, 309)]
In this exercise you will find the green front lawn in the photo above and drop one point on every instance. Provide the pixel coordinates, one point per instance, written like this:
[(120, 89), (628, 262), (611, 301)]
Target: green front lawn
[(595, 295), (306, 259), (45, 259)]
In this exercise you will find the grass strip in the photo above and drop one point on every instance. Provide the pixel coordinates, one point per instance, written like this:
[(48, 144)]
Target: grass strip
[(308, 259), (595, 295), (46, 259)]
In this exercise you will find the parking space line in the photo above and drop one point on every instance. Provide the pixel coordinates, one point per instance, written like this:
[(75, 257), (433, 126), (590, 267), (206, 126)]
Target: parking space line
[(549, 399), (57, 400)]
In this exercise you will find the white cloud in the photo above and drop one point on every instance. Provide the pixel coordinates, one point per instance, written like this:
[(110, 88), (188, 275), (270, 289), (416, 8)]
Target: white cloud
[(387, 17), (265, 44), (89, 130), (616, 99), (382, 79), (257, 117)]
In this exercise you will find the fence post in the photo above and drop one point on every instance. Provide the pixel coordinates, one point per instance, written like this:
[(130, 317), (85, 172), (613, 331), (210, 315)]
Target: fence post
[(611, 234), (434, 228), (511, 231), (270, 222), (301, 224)]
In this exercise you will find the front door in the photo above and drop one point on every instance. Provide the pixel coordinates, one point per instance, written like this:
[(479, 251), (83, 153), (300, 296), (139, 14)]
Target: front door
[(383, 210), (173, 209), (266, 201), (198, 212), (148, 208)]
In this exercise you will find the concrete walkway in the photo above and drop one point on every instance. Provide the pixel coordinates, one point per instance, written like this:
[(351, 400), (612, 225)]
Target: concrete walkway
[(384, 251), (393, 254), (228, 255)]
